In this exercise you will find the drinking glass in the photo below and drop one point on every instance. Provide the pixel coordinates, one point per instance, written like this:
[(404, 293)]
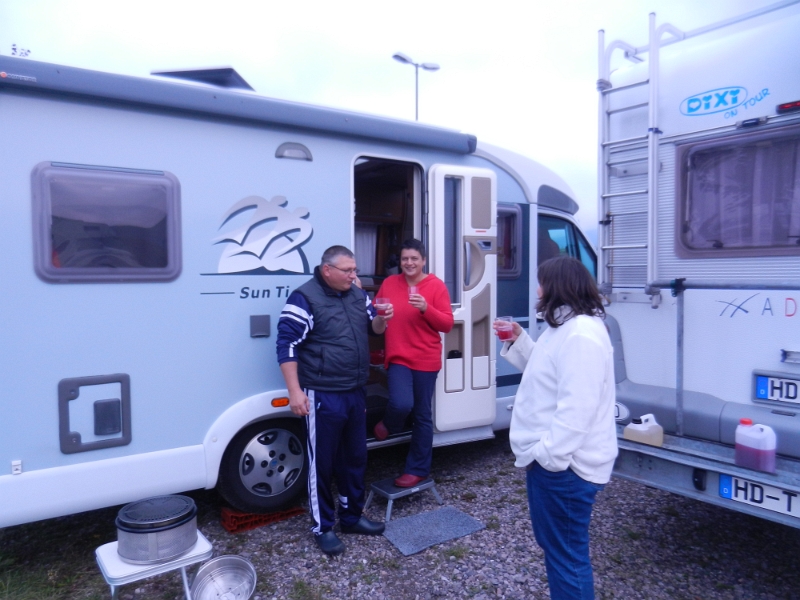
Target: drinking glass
[(382, 305), (505, 328)]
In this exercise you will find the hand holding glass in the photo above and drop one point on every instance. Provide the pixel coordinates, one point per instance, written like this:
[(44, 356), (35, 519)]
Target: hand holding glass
[(382, 306), (505, 328)]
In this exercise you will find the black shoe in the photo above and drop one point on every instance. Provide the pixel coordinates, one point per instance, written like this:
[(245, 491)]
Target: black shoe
[(365, 527), (329, 543)]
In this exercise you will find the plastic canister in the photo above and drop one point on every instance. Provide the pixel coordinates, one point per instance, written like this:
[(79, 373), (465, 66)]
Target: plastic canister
[(645, 429), (755, 446)]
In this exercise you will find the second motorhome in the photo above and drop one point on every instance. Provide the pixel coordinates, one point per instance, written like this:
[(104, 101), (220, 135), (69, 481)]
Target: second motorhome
[(699, 251)]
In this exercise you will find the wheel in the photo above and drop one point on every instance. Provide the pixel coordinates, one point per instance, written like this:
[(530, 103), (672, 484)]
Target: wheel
[(264, 467)]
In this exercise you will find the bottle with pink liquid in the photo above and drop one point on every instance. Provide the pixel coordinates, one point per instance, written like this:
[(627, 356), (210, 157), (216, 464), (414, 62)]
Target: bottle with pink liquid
[(755, 446)]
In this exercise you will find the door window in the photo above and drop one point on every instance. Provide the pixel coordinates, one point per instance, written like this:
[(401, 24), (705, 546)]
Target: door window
[(452, 236)]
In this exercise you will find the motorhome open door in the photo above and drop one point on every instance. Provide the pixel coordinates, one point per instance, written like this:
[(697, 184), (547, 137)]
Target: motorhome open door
[(463, 242)]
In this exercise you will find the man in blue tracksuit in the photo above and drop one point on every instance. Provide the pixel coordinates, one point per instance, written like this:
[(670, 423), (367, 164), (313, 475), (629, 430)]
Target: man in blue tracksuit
[(323, 352)]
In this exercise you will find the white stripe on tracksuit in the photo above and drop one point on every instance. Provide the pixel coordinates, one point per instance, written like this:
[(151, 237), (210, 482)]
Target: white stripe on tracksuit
[(311, 427)]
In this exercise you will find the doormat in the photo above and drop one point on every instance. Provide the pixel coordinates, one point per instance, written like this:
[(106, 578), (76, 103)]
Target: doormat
[(415, 533)]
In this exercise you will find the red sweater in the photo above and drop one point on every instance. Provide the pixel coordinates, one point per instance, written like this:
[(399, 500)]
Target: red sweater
[(412, 337)]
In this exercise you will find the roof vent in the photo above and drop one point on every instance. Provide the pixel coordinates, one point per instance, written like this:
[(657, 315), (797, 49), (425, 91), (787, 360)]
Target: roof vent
[(224, 77)]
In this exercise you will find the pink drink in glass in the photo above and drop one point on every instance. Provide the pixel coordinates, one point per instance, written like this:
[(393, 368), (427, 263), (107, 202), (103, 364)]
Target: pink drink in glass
[(505, 333), (505, 328), (382, 306)]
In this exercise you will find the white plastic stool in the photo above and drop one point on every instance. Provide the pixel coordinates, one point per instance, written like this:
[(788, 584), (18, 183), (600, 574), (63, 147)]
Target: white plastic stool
[(117, 572)]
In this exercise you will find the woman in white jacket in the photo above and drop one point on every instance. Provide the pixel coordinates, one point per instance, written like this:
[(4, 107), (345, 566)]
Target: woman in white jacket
[(563, 429)]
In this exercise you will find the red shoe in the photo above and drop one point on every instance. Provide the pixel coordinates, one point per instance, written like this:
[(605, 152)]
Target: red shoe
[(380, 431), (407, 480)]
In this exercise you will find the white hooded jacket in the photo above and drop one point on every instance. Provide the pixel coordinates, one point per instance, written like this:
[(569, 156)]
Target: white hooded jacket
[(564, 408)]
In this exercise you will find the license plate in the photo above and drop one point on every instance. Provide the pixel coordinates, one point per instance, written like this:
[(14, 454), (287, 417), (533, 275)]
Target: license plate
[(759, 494), (775, 388)]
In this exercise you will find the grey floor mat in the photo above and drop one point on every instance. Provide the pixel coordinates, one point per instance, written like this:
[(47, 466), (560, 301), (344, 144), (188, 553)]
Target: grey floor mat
[(415, 533)]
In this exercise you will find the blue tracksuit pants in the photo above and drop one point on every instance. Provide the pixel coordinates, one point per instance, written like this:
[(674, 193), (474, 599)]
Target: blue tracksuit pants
[(337, 448)]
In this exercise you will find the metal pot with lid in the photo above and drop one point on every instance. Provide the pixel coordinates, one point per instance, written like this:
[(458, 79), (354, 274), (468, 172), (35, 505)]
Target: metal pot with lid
[(156, 529)]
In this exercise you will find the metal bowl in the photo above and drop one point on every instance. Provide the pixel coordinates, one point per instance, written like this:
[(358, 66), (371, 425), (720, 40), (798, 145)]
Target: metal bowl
[(227, 577)]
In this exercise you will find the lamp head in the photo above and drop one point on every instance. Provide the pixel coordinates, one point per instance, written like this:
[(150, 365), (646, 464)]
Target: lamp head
[(430, 66), (403, 58)]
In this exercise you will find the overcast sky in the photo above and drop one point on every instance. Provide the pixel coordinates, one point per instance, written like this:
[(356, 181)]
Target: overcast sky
[(518, 74)]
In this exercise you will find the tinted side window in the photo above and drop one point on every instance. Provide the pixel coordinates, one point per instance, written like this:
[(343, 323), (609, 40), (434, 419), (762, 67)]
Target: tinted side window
[(587, 254), (513, 260), (105, 224), (555, 238), (558, 236), (509, 241), (740, 195)]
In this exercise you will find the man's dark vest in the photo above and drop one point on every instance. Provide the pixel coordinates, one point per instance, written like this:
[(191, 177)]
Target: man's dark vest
[(335, 355)]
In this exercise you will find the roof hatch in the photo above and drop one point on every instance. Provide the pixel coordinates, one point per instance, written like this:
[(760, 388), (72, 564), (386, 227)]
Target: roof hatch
[(225, 77)]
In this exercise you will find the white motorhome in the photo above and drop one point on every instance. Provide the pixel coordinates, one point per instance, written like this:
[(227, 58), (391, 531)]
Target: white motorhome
[(699, 251), (154, 228)]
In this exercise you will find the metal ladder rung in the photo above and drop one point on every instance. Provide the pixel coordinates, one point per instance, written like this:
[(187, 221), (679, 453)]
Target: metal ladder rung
[(623, 194), (626, 87), (625, 266), (625, 141), (625, 247), (628, 161), (626, 213), (614, 111)]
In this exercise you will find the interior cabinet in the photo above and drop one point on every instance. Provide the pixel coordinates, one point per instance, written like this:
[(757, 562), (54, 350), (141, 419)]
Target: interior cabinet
[(382, 207)]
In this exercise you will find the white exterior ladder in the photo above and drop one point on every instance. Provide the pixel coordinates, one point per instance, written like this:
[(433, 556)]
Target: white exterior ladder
[(627, 233)]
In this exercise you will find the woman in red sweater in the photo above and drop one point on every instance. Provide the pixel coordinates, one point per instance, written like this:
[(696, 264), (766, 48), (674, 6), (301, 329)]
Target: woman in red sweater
[(414, 355)]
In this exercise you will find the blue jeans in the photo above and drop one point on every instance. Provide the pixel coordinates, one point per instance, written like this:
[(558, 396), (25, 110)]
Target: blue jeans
[(561, 509), (410, 392)]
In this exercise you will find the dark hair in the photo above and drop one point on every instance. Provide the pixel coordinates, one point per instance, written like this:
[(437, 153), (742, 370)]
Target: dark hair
[(413, 244), (333, 253), (566, 282)]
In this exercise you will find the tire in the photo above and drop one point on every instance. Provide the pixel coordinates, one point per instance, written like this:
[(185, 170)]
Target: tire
[(265, 466)]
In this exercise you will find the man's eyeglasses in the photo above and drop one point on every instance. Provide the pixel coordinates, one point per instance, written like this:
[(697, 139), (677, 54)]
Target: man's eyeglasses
[(347, 272)]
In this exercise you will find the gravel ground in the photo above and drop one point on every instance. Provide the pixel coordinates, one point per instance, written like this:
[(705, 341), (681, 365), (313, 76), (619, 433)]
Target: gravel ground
[(645, 544)]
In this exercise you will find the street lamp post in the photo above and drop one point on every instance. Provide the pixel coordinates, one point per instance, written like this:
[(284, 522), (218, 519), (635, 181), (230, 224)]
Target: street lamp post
[(404, 58)]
